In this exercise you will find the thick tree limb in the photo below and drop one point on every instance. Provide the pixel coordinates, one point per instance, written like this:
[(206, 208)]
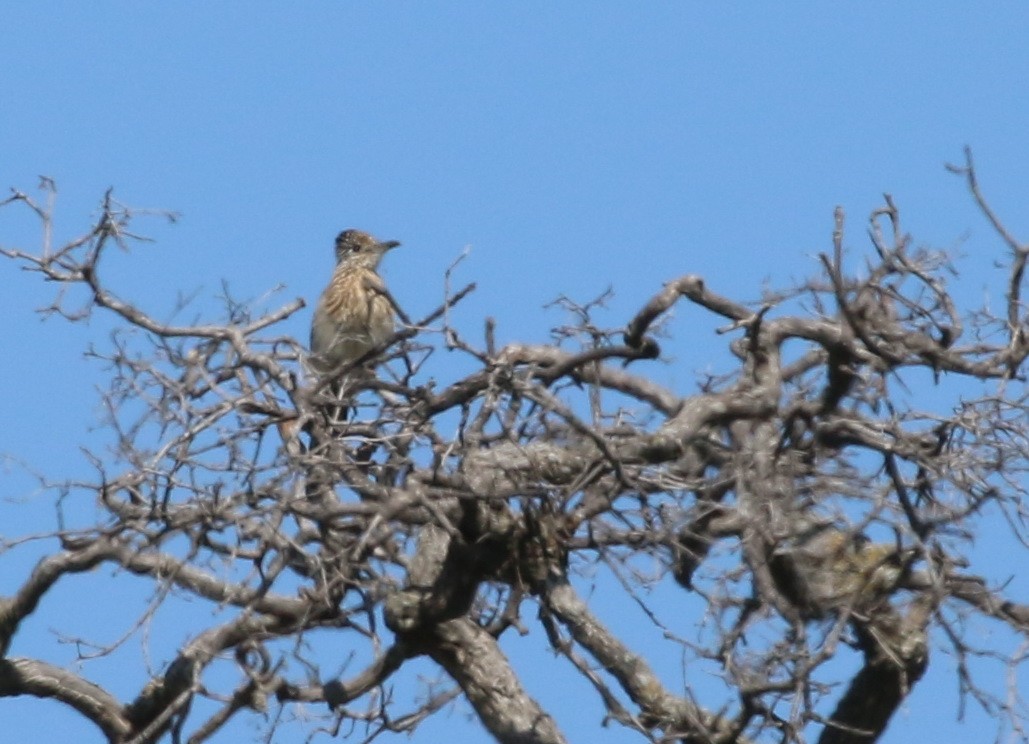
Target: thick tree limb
[(20, 676), (473, 659)]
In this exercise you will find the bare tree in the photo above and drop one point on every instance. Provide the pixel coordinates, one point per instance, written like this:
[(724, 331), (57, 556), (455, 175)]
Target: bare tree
[(802, 506)]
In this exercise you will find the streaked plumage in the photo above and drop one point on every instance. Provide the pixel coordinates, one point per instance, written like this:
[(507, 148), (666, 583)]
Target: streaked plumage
[(353, 314)]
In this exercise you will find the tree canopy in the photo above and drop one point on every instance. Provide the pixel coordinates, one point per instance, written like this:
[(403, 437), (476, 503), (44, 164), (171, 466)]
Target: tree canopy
[(809, 505)]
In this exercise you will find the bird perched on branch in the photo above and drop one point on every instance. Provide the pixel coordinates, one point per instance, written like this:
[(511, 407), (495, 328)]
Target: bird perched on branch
[(354, 314), (834, 569)]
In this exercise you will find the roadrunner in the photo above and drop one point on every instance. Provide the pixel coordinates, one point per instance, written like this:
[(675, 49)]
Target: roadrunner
[(354, 314)]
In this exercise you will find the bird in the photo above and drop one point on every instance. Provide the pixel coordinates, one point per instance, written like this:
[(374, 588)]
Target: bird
[(835, 568), (354, 314)]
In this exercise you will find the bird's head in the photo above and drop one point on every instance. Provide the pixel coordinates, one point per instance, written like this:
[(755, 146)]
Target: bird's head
[(361, 249)]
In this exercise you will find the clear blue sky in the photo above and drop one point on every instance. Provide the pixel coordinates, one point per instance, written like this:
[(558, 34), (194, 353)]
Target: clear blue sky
[(572, 146)]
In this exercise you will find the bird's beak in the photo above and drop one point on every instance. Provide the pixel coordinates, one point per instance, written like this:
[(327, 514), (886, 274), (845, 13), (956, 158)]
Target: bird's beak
[(389, 245)]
